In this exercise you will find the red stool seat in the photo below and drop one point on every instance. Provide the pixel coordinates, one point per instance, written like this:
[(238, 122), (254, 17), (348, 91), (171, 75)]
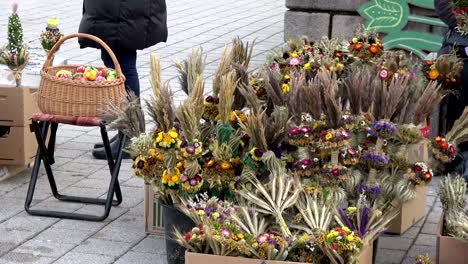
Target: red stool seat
[(68, 120)]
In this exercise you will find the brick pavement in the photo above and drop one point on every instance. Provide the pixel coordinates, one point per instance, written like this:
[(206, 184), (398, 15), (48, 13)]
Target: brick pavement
[(121, 239)]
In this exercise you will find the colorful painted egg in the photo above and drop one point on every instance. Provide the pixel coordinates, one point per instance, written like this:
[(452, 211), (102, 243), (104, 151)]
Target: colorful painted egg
[(111, 75), (80, 69), (100, 79), (64, 74), (91, 75)]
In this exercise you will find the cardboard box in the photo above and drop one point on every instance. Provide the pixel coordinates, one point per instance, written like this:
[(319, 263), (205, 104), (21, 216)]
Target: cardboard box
[(18, 145), (17, 105), (410, 212), (450, 250), (195, 258), (154, 222)]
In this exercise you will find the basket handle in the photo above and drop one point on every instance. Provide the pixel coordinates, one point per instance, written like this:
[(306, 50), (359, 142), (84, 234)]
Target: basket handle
[(88, 36)]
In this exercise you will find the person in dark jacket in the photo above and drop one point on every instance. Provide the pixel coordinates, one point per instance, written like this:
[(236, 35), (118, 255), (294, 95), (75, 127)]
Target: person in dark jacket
[(455, 104), (125, 26)]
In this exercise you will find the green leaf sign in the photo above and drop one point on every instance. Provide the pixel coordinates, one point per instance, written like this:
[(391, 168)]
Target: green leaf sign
[(391, 16), (385, 15)]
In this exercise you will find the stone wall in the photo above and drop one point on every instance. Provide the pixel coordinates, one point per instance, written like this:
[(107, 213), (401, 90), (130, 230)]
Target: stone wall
[(334, 18)]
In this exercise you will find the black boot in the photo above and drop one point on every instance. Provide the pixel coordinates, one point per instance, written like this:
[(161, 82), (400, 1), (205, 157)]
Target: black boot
[(112, 139), (100, 153)]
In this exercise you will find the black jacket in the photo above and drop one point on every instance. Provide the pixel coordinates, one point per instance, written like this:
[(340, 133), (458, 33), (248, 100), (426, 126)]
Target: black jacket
[(444, 10), (124, 24)]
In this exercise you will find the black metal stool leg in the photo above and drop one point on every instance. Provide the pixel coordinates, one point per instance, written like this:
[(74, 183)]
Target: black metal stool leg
[(37, 164), (46, 155), (110, 159)]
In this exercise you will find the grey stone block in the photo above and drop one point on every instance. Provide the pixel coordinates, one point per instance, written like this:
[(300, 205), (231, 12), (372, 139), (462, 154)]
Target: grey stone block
[(411, 233), (329, 5), (103, 247), (152, 245), (429, 228), (422, 250), (5, 247), (141, 258), (313, 25), (24, 222), (44, 248), (394, 242), (80, 225), (433, 217), (59, 235), (345, 26), (117, 233), (426, 240), (15, 257), (389, 256), (82, 258)]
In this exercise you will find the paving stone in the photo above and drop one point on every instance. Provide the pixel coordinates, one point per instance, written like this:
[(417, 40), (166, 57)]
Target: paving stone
[(411, 233), (138, 210), (103, 247), (69, 153), (115, 212), (5, 247), (433, 217), (15, 236), (82, 258), (140, 258), (390, 256), (152, 245), (429, 228), (60, 235), (44, 248), (425, 239), (417, 250), (25, 222), (116, 233), (16, 257), (12, 206), (394, 242)]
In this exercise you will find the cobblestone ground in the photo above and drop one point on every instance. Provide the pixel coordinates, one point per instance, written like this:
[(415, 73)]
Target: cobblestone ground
[(121, 238)]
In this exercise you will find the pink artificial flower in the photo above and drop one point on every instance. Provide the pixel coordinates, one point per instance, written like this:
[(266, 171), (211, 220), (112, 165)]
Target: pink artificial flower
[(383, 74), (263, 238), (275, 67), (226, 233), (295, 61)]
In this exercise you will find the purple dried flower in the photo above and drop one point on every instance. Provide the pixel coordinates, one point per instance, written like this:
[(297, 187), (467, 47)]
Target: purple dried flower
[(345, 219), (364, 220)]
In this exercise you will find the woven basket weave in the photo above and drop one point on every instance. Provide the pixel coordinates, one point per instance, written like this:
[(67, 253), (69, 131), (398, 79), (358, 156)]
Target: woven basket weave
[(59, 96)]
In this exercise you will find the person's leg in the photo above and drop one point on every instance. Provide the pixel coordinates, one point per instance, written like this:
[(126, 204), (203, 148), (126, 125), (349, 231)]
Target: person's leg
[(127, 61)]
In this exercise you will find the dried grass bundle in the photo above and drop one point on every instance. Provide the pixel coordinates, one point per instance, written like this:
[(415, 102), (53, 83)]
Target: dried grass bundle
[(358, 85), (430, 98), (251, 98), (242, 77), (190, 68), (127, 117), (459, 132), (275, 126), (295, 100), (255, 128), (315, 214), (191, 111), (160, 106), (241, 53), (224, 67), (331, 103), (273, 88), (388, 97), (226, 96), (311, 98)]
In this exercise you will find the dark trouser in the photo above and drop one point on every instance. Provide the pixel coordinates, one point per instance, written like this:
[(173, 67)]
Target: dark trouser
[(127, 60)]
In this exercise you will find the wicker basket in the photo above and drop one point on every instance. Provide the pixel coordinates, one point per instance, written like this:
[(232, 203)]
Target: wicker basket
[(78, 98)]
